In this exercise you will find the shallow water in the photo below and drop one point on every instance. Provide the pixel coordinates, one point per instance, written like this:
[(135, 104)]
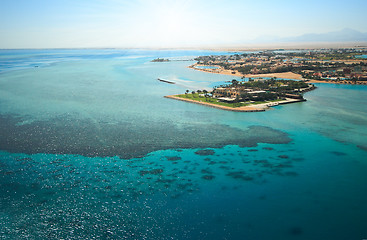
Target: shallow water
[(91, 149), (206, 67), (361, 56)]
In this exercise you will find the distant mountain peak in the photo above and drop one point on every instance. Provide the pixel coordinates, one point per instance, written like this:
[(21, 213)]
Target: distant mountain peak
[(347, 29), (344, 35)]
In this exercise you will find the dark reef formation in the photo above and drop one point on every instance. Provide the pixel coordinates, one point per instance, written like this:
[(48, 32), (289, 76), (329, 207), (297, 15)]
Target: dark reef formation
[(126, 139)]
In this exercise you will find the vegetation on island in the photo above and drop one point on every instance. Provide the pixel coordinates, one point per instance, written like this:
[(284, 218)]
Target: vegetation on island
[(199, 97)]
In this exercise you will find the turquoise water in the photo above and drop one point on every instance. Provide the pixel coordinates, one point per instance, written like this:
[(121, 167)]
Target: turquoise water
[(206, 67), (91, 149), (361, 56)]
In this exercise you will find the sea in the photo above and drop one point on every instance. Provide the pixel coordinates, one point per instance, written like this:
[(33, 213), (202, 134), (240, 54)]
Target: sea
[(91, 149)]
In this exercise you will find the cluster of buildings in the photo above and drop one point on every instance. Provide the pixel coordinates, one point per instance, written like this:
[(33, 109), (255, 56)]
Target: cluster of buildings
[(248, 64), (261, 90), (231, 93), (353, 72), (321, 65)]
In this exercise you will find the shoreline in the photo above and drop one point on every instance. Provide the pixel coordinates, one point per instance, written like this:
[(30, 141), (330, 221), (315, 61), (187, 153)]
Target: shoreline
[(218, 70), (252, 108), (283, 75), (344, 82), (239, 109)]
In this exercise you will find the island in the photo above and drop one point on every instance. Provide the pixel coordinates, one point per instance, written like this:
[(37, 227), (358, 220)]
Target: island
[(255, 95), (160, 60)]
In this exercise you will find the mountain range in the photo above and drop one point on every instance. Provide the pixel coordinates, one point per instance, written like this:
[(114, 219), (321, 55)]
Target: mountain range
[(344, 35)]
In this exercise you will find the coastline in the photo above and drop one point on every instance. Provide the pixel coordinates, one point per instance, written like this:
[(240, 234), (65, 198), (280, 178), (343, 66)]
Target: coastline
[(239, 109), (252, 108), (220, 70), (345, 82), (283, 75)]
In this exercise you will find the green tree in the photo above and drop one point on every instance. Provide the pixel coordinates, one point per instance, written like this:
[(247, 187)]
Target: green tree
[(187, 91), (205, 94), (234, 82)]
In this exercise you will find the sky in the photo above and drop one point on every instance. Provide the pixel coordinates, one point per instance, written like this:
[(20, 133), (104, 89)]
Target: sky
[(169, 23)]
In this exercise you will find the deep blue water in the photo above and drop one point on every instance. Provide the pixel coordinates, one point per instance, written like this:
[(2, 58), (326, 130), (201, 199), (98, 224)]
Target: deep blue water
[(91, 149)]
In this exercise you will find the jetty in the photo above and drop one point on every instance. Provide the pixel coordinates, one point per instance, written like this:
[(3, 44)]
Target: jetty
[(165, 81)]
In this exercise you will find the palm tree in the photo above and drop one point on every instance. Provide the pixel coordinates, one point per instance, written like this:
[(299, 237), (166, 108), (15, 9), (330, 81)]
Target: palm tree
[(234, 82), (212, 93), (205, 94)]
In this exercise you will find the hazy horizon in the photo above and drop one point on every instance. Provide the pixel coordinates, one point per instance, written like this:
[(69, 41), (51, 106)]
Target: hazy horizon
[(173, 24)]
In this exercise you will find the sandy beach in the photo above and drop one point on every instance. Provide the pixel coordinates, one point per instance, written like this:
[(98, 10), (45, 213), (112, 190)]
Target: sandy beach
[(286, 75), (218, 70)]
